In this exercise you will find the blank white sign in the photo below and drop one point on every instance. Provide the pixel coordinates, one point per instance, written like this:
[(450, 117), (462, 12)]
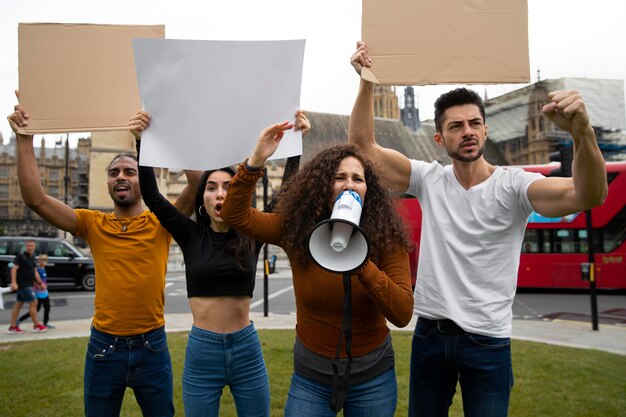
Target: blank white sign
[(209, 100)]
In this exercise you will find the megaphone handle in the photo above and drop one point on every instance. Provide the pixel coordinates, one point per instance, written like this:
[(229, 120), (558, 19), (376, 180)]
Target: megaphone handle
[(340, 383)]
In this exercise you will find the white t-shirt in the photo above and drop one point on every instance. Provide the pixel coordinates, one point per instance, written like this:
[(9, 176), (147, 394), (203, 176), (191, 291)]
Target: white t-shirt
[(470, 245)]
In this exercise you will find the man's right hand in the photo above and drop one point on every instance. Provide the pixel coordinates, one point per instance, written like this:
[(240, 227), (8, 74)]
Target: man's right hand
[(138, 123), (19, 118), (361, 58)]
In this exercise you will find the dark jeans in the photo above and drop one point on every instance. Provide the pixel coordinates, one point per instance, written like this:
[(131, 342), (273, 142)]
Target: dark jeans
[(442, 355), (140, 362), (45, 302)]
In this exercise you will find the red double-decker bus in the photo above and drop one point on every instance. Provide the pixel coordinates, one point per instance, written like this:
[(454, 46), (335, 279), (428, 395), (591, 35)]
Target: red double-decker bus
[(554, 248)]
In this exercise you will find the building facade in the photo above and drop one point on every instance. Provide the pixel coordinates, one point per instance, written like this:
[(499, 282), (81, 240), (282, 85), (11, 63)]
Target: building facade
[(83, 168), (64, 175), (386, 102), (524, 135)]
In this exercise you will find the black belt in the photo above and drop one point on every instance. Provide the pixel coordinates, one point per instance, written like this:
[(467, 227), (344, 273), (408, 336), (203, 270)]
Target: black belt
[(445, 326)]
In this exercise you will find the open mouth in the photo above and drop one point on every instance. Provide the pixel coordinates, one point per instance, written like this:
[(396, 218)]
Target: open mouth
[(218, 208), (121, 187)]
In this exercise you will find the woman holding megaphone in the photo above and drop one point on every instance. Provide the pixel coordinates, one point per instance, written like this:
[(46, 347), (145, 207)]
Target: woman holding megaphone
[(343, 356)]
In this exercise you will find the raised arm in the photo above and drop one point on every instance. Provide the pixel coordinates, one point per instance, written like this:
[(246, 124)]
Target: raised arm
[(394, 167), (555, 197), (50, 209), (185, 201), (292, 165), (236, 210)]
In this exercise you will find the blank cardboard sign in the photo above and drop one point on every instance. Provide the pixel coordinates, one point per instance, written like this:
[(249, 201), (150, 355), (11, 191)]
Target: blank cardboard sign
[(79, 77), (420, 42)]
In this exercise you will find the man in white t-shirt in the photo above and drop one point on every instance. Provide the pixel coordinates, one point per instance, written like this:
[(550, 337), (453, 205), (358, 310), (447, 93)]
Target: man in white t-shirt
[(473, 219)]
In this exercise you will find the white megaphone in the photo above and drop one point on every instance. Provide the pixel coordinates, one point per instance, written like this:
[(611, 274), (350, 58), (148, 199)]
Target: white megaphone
[(339, 244)]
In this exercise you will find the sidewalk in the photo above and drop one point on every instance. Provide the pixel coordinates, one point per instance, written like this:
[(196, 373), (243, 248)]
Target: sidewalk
[(610, 337)]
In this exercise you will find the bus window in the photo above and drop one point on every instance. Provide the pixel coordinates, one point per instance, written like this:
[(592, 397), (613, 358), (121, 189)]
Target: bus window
[(531, 241), (563, 241), (582, 243), (614, 233)]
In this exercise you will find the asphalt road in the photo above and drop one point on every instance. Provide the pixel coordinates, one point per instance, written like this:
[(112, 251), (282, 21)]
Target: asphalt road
[(69, 303)]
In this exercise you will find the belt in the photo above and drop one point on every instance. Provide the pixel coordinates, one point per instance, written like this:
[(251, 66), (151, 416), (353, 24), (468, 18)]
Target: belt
[(445, 326), (126, 342)]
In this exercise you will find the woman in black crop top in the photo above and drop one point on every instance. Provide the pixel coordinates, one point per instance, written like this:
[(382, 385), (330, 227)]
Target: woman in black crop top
[(220, 266)]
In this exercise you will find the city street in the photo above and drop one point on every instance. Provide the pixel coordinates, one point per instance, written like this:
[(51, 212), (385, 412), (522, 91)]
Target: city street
[(69, 303)]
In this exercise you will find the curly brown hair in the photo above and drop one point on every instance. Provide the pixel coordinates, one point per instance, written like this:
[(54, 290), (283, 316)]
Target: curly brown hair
[(304, 201)]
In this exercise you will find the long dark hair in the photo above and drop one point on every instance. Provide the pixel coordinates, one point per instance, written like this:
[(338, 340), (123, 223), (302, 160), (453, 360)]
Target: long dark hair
[(240, 246), (304, 201)]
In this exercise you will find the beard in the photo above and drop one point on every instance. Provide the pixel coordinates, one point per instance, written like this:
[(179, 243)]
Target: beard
[(127, 202), (471, 158), (123, 202)]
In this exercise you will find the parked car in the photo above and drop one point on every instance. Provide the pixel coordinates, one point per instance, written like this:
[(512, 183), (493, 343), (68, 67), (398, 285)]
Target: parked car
[(66, 263)]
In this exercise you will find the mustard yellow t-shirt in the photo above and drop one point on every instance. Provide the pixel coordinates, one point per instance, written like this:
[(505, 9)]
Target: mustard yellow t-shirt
[(130, 257)]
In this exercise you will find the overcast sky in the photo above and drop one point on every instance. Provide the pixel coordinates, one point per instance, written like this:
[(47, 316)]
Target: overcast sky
[(567, 38)]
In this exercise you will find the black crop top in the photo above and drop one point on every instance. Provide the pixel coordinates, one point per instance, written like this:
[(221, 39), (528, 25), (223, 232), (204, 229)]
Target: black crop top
[(210, 270)]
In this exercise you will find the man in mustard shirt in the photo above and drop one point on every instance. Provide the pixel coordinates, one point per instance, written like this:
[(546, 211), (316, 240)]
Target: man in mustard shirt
[(127, 347)]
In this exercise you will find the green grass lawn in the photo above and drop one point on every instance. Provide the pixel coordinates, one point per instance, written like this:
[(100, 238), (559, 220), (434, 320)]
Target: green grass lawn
[(45, 378)]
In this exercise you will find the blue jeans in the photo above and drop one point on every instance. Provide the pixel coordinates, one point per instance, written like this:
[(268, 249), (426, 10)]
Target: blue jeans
[(140, 362), (377, 397), (214, 360), (440, 358)]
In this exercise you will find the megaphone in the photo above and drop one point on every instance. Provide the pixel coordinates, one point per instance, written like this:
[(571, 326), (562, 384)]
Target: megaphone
[(339, 244)]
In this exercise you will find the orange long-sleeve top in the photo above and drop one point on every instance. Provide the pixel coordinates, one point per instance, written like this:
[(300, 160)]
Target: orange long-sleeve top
[(379, 292)]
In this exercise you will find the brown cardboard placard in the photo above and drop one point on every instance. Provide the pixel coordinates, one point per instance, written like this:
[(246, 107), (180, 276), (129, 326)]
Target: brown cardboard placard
[(420, 42), (79, 77)]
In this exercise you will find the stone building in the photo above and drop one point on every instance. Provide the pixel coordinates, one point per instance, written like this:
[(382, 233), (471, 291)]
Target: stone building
[(60, 167), (519, 134), (525, 135), (386, 102), (84, 168)]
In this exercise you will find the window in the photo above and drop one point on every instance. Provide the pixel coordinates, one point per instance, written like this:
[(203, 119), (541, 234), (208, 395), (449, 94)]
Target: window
[(4, 191), (53, 174), (555, 241), (57, 249), (4, 171), (531, 241), (614, 233)]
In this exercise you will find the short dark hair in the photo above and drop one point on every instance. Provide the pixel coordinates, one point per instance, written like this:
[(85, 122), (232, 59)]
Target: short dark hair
[(456, 97), (122, 155)]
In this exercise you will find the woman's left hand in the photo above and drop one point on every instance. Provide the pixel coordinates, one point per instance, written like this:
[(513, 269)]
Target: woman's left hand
[(268, 143), (302, 122)]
